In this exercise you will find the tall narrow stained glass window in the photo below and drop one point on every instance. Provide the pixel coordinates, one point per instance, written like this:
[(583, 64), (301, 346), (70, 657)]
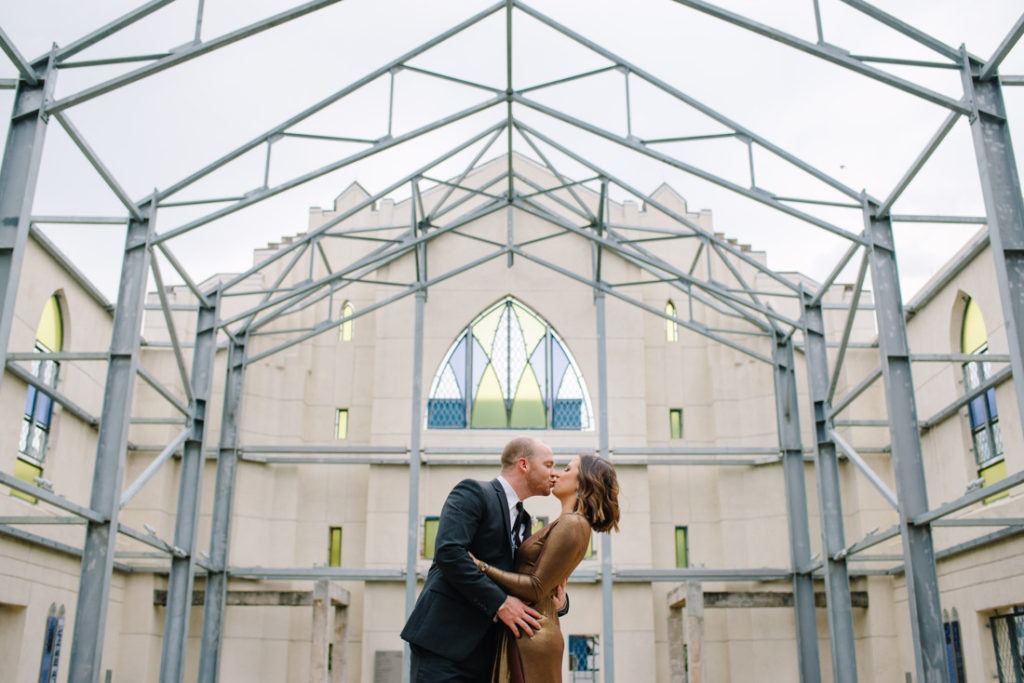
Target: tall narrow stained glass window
[(671, 326), (345, 334), (509, 370), (982, 411), (36, 422)]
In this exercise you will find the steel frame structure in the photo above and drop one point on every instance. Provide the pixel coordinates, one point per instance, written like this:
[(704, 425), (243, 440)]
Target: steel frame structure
[(761, 332)]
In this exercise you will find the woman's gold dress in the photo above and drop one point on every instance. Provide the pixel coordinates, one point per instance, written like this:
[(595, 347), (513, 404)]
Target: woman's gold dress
[(544, 561)]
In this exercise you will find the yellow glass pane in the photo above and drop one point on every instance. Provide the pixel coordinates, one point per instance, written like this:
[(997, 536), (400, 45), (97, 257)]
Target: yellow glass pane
[(341, 424), (533, 329), (485, 327), (682, 550), (50, 332), (334, 550), (528, 405), (590, 548), (991, 475), (346, 327), (974, 334), (489, 406), (430, 536), (671, 328), (27, 472)]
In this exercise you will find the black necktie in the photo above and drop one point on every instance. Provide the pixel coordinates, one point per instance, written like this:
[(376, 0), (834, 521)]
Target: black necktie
[(521, 527)]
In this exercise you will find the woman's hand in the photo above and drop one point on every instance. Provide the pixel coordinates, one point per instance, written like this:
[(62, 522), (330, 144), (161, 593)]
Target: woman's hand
[(559, 597), (479, 564)]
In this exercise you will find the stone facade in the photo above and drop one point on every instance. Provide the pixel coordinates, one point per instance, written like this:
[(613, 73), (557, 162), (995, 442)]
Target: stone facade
[(735, 515)]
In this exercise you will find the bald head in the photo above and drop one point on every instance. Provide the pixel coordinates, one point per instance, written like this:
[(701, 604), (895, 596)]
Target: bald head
[(519, 447)]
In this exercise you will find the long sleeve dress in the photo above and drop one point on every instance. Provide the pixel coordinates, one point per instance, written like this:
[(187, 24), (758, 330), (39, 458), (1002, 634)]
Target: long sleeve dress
[(544, 561)]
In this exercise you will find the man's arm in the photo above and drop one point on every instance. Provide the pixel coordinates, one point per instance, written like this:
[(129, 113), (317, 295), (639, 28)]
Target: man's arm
[(460, 519)]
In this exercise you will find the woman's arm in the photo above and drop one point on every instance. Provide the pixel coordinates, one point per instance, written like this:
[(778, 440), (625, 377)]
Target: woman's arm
[(563, 549)]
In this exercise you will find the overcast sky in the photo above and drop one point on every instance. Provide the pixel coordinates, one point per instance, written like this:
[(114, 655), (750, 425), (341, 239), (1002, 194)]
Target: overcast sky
[(865, 134)]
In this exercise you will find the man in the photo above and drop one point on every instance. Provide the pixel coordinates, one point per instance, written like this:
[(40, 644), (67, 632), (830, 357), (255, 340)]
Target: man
[(453, 627)]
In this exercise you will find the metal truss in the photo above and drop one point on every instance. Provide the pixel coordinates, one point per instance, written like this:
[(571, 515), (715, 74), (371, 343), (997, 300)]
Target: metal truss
[(572, 207)]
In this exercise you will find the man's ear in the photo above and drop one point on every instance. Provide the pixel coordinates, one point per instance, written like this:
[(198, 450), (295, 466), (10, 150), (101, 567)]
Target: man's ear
[(522, 465)]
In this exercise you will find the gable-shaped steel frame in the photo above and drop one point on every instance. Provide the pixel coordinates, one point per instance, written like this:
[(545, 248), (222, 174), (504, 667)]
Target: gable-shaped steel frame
[(772, 335)]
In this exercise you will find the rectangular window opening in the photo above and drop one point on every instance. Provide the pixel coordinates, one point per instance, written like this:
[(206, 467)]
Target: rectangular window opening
[(584, 662), (682, 547), (334, 547), (430, 525), (341, 424), (591, 550), (675, 423)]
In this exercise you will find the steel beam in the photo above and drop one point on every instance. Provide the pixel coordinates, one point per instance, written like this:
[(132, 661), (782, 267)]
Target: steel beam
[(415, 428), (788, 414), (19, 172), (608, 630), (112, 442), (826, 469), (1000, 186), (180, 582), (908, 463), (223, 498)]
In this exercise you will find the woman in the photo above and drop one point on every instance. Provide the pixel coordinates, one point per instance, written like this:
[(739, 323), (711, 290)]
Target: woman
[(588, 490)]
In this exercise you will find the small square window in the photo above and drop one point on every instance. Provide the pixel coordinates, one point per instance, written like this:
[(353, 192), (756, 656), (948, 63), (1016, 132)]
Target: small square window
[(430, 525), (682, 547), (675, 423), (334, 547), (591, 550), (538, 524), (583, 657), (341, 424)]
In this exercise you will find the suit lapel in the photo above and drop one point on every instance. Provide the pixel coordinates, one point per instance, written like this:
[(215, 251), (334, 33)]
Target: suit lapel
[(503, 507)]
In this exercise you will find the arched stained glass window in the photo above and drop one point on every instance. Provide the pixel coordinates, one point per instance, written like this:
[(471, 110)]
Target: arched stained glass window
[(509, 370), (346, 327), (671, 326), (36, 422), (982, 411)]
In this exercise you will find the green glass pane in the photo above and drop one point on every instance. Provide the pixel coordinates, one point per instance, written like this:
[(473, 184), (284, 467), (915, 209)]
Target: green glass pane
[(50, 332), (334, 551), (682, 552), (429, 536), (675, 420), (341, 424), (533, 329), (488, 405), (485, 327), (590, 548), (528, 404), (973, 336)]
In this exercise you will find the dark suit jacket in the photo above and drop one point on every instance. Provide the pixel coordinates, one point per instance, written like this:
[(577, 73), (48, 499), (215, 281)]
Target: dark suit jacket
[(456, 608)]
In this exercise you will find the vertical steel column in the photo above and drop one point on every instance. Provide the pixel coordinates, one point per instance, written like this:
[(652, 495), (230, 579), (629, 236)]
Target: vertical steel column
[(908, 464), (830, 502), (101, 537), (223, 499), (608, 646), (790, 445), (412, 547), (1004, 205), (180, 583), (18, 174)]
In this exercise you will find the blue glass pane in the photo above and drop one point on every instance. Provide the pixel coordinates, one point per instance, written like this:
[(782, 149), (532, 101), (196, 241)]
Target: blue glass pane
[(458, 365), (976, 408), (993, 412), (30, 401), (446, 413), (567, 413), (44, 410)]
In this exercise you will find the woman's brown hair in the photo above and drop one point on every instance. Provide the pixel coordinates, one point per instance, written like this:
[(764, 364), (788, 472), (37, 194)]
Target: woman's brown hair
[(598, 493)]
